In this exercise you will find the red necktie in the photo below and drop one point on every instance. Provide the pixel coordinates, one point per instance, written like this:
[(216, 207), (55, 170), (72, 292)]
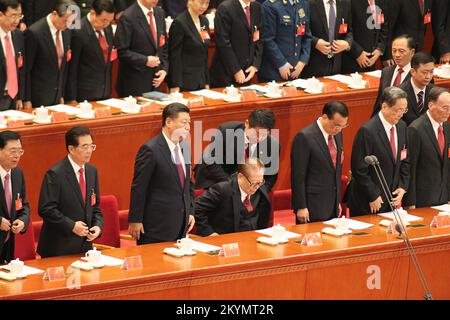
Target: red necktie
[(392, 142), (420, 2), (59, 49), (104, 45), (152, 26), (247, 151), (11, 69), (180, 170), (373, 9), (247, 204), (441, 140), (8, 198), (82, 184), (247, 14), (332, 148), (398, 78)]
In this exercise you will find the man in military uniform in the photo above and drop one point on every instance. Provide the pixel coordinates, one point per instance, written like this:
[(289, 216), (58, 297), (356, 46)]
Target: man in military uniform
[(287, 39)]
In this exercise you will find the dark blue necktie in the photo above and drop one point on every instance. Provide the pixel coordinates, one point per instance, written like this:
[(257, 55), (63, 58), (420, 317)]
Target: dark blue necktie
[(332, 21)]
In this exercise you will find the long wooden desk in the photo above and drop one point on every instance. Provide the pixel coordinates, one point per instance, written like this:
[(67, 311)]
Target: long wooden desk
[(119, 137), (341, 268)]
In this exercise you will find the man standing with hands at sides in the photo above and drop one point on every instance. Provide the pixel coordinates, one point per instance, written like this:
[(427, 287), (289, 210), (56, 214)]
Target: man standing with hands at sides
[(238, 27), (316, 166), (141, 42), (14, 208), (385, 137), (162, 193), (12, 50), (69, 201)]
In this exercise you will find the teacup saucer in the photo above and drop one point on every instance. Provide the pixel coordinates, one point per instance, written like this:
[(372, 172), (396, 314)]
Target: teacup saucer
[(348, 231), (22, 275), (90, 115), (282, 240), (273, 95), (360, 86), (189, 253), (134, 110), (313, 91), (46, 120), (232, 99)]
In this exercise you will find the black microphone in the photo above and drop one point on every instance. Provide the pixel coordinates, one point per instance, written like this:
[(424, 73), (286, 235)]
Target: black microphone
[(369, 160)]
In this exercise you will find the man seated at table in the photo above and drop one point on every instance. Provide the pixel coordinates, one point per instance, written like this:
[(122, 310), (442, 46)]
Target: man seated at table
[(235, 141), (236, 205)]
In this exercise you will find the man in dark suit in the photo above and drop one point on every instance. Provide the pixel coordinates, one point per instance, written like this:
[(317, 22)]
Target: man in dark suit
[(14, 208), (188, 49), (90, 69), (236, 205), (428, 140), (441, 30), (69, 201), (48, 55), (234, 142), (12, 50), (419, 86), (141, 41), (162, 194), (238, 30), (174, 7), (331, 28), (385, 137), (316, 166), (370, 32), (399, 73)]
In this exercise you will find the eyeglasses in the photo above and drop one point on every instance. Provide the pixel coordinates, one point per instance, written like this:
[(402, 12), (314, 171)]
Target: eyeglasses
[(254, 184), (16, 152), (400, 111), (86, 147), (339, 127), (16, 16)]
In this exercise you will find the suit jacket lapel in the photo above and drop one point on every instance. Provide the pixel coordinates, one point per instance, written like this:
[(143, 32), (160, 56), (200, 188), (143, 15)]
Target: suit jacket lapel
[(165, 150), (241, 14), (390, 73), (3, 201), (191, 25), (318, 136), (72, 179), (413, 99), (2, 58), (93, 39), (323, 16), (51, 45), (384, 138), (430, 132), (145, 25), (237, 203)]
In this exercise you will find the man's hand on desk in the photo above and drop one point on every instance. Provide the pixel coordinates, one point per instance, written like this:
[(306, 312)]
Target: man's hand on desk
[(376, 205), (239, 76), (191, 223), (303, 215), (19, 105), (135, 230), (27, 105)]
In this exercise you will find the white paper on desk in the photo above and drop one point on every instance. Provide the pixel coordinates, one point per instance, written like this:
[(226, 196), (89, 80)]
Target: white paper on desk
[(341, 78), (17, 114), (210, 94), (204, 247), (167, 102), (111, 261), (64, 108), (376, 73), (298, 83), (352, 224), (287, 234), (26, 269), (256, 87), (442, 207), (408, 217), (115, 103)]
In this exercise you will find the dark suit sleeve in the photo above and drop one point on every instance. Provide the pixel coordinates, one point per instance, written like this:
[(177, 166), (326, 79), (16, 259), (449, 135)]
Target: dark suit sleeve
[(259, 44), (300, 154), (383, 33), (271, 50), (349, 35), (404, 166), (414, 149), (48, 203), (97, 215), (31, 47), (163, 52), (305, 51), (360, 169), (207, 203), (441, 38), (24, 214), (176, 49), (143, 171), (123, 41), (273, 164), (72, 78)]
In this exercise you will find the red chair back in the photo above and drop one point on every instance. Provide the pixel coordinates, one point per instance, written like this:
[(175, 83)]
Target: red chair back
[(111, 227), (24, 245)]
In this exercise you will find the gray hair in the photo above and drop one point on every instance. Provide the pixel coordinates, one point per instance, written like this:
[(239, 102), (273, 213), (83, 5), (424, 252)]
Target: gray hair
[(436, 92), (62, 6), (392, 94)]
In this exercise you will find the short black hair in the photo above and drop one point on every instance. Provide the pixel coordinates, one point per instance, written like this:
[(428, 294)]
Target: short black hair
[(120, 5), (6, 136), (420, 58), (264, 118), (332, 107), (102, 5), (411, 43), (5, 4), (436, 92), (172, 110), (74, 133), (390, 95), (62, 6)]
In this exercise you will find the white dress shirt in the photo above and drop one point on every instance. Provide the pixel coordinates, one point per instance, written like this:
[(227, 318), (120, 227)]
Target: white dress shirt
[(172, 152), (387, 128), (76, 169), (417, 90), (146, 11), (405, 72), (435, 124), (53, 31), (3, 173), (326, 4), (324, 133)]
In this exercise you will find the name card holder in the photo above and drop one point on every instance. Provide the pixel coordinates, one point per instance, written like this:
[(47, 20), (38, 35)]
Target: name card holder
[(15, 123), (196, 102), (132, 263), (289, 92), (103, 112), (249, 95), (440, 221), (150, 107), (54, 274), (60, 117), (391, 229), (312, 239), (230, 250)]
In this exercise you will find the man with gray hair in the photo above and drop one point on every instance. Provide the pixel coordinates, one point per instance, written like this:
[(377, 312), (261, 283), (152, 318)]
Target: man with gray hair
[(428, 139), (47, 44), (385, 137)]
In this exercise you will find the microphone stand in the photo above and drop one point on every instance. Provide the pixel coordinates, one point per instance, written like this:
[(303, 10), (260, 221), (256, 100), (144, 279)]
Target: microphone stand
[(400, 228)]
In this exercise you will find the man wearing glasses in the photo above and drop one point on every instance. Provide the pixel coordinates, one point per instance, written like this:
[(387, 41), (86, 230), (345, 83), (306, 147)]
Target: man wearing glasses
[(236, 205), (69, 201), (316, 166), (12, 71), (14, 208)]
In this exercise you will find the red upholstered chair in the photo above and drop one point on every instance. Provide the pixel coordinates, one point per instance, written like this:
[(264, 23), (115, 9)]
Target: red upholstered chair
[(25, 248), (111, 227), (282, 211), (344, 184), (37, 226)]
